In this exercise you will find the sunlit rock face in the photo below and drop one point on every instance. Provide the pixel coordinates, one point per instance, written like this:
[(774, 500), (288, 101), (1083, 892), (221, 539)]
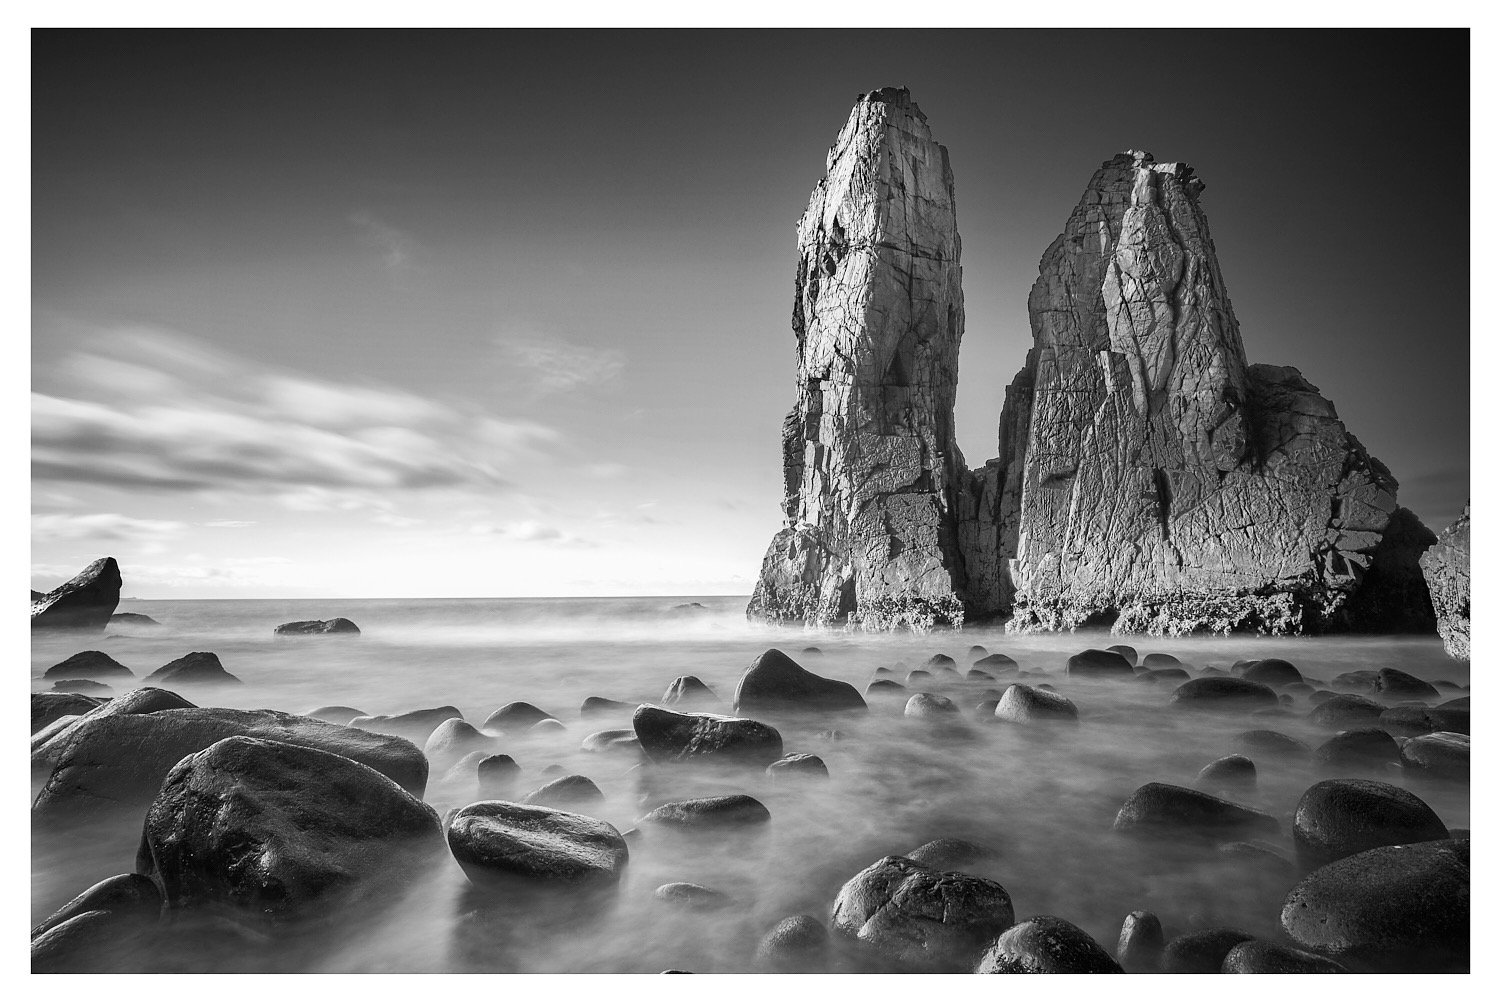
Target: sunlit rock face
[(1446, 567), (872, 469), (1166, 485)]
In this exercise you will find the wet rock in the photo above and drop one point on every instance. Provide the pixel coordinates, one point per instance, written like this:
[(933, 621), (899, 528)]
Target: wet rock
[(515, 717), (692, 896), (333, 626), (1171, 675), (918, 918), (1345, 816), (278, 830), (132, 893), (1159, 661), (1141, 942), (977, 653), (48, 706), (797, 944), (1024, 704), (85, 603), (1157, 808), (504, 844), (416, 725), (777, 683), (997, 663), (1048, 945), (97, 941), (612, 741), (194, 668), (885, 688), (1394, 683), (573, 792), (452, 739), (603, 706), (1201, 951), (1272, 672), (1358, 749), (1443, 755), (131, 623), (949, 854), (712, 813), (668, 737), (119, 761), (1345, 711), (1446, 569), (141, 701), (339, 715), (1099, 663), (1356, 681), (1131, 656), (1268, 957), (1232, 773), (1409, 719), (1453, 714), (928, 706), (79, 686), (980, 677), (798, 765), (89, 664), (1224, 694), (1389, 909), (689, 690), (498, 774)]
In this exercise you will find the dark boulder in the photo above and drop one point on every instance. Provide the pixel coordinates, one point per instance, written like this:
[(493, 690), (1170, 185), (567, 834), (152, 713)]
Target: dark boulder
[(1099, 663), (977, 653), (1048, 945), (1232, 773), (1393, 683), (713, 813), (1411, 718), (1224, 694), (1024, 704), (48, 706), (917, 677), (278, 830), (506, 844), (1160, 661), (572, 792), (689, 690), (795, 945), (777, 683), (130, 893), (940, 661), (85, 603), (96, 941), (886, 688), (997, 663), (452, 739), (194, 668), (1157, 808), (1345, 816), (1441, 755), (1173, 675), (1270, 958), (674, 737), (80, 686), (1141, 942), (1389, 909), (798, 765), (1272, 672), (415, 725), (119, 761), (1268, 742), (1201, 951), (90, 663), (1365, 681), (1345, 711), (132, 623), (919, 919), (515, 717), (1358, 749), (1131, 656), (333, 626)]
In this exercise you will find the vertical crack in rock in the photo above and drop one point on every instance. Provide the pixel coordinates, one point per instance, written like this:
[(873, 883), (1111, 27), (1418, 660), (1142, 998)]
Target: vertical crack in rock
[(872, 471)]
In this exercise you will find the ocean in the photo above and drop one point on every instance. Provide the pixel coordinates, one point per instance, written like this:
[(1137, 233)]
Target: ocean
[(1041, 799)]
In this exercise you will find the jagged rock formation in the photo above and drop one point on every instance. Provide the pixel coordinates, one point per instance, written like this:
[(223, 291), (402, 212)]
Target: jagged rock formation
[(872, 469), (84, 602), (1446, 568), (1149, 477)]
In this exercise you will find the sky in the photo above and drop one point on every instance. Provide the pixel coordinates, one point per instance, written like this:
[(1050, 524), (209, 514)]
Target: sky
[(507, 313)]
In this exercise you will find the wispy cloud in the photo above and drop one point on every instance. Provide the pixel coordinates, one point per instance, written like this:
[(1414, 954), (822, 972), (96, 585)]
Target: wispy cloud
[(398, 248), (101, 528), (554, 365), (227, 524), (532, 531)]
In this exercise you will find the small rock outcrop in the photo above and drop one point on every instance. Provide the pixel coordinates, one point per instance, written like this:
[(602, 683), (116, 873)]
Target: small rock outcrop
[(194, 668), (1446, 568), (872, 469), (775, 682), (85, 602), (92, 664), (333, 626)]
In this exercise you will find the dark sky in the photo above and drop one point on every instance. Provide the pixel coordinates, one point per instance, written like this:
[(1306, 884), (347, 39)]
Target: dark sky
[(313, 308)]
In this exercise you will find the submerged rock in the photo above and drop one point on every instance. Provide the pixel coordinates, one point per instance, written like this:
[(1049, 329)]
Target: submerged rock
[(1024, 704), (949, 854), (501, 844), (1234, 772), (1446, 569), (603, 706), (1224, 694), (415, 725), (194, 668), (714, 812), (1099, 663), (797, 765), (452, 739), (930, 706), (1157, 808), (1442, 755), (776, 682), (1345, 816), (1201, 951), (1046, 945), (1272, 672), (1358, 749), (692, 896), (1268, 957), (333, 626), (515, 717), (132, 893), (1393, 683), (689, 690), (498, 774), (1344, 711), (276, 829), (85, 603), (920, 919), (340, 715), (84, 687), (48, 706), (797, 945), (1141, 942), (91, 663), (675, 737), (571, 792)]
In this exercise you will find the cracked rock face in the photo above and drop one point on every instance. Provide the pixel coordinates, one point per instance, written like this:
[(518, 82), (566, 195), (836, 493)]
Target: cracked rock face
[(1446, 568), (872, 469), (1166, 485)]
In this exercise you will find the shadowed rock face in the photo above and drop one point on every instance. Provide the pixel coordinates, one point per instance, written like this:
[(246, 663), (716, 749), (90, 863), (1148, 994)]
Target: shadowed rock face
[(84, 602), (872, 469), (1446, 568)]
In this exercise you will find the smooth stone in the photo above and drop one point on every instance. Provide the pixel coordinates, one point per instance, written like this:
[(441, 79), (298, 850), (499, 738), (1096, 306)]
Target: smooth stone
[(1234, 772), (920, 919), (1024, 704), (498, 774), (1157, 807), (1443, 755), (1141, 942), (1158, 661), (85, 603), (917, 677), (292, 829), (1131, 656), (977, 653), (688, 690), (1268, 742), (1389, 909), (546, 727), (572, 793), (940, 661), (612, 741), (96, 941), (1272, 672), (517, 716), (415, 726), (1358, 749), (1046, 945), (194, 668), (949, 854), (796, 944), (89, 664), (926, 706), (1454, 715), (692, 896), (1176, 675), (453, 738), (674, 737), (711, 813), (131, 893), (884, 687), (775, 682), (80, 686), (502, 844), (339, 715), (1393, 683), (997, 663), (1099, 663), (48, 706), (1269, 958), (1232, 694), (798, 765), (1357, 680), (1345, 816), (1201, 951), (1346, 711), (1409, 719), (333, 626), (603, 706)]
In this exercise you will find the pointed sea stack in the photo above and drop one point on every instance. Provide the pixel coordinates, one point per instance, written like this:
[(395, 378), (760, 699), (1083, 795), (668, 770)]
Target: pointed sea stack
[(83, 603), (872, 469), (1152, 479)]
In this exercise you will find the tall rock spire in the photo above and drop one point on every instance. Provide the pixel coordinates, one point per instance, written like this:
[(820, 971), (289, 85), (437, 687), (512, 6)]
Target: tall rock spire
[(872, 469)]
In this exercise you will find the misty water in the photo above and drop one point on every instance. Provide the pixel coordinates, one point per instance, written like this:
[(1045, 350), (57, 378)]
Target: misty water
[(1042, 797)]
